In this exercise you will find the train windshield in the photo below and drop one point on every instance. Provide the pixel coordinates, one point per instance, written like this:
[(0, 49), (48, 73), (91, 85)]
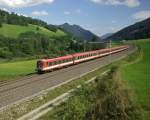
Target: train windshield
[(39, 64)]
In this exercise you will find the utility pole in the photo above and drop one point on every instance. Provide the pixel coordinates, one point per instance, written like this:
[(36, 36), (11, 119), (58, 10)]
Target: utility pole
[(84, 45), (110, 51)]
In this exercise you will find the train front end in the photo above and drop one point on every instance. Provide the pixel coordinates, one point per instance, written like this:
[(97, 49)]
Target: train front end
[(40, 66)]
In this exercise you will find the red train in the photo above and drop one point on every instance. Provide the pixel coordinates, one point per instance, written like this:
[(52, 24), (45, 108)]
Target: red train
[(60, 62)]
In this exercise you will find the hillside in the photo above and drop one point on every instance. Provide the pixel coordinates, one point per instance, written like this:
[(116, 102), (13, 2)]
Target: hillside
[(13, 31), (105, 36), (79, 32), (22, 36), (137, 31)]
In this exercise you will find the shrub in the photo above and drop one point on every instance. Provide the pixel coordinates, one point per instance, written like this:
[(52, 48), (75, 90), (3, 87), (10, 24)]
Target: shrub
[(106, 99)]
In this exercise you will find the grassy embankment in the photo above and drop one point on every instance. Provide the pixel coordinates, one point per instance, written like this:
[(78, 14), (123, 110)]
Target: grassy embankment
[(13, 31), (137, 75)]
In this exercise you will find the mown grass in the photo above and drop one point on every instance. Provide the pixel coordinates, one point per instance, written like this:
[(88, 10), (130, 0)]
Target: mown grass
[(15, 69), (13, 31), (137, 75)]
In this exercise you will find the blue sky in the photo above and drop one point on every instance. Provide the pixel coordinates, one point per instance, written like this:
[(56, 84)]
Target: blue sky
[(99, 16)]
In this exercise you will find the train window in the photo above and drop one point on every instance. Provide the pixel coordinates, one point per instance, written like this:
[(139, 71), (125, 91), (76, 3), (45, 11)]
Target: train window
[(49, 64), (55, 63), (64, 61), (59, 62)]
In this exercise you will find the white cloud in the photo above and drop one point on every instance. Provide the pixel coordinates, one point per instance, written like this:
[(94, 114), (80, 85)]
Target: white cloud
[(113, 21), (142, 15), (40, 13), (129, 3), (5, 9), (23, 3), (67, 13), (20, 14), (78, 11)]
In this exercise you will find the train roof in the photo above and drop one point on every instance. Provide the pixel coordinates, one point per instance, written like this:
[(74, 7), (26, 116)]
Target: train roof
[(84, 53)]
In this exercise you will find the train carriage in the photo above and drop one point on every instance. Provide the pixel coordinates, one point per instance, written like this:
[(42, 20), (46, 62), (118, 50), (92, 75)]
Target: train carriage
[(60, 62)]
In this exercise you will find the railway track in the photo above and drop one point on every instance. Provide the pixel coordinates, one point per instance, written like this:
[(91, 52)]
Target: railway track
[(17, 90)]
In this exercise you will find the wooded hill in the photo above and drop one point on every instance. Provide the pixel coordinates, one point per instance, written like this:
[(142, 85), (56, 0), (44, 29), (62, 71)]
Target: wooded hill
[(22, 36), (80, 32)]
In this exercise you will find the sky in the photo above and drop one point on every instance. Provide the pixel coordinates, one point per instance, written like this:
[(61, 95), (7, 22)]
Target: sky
[(98, 16)]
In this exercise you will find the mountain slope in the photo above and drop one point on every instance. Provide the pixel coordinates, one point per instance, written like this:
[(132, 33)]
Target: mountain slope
[(137, 31), (79, 32), (105, 36), (13, 31)]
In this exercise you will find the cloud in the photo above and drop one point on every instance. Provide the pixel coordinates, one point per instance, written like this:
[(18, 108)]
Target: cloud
[(5, 9), (142, 15), (67, 13), (129, 3), (23, 3), (78, 11), (20, 14), (40, 13), (113, 21)]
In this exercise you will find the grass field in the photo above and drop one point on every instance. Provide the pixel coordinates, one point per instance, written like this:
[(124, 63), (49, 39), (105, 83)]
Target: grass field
[(15, 69), (15, 30), (138, 77)]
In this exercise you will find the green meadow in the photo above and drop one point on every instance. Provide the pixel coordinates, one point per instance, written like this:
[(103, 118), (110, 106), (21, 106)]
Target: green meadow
[(15, 69), (14, 31), (137, 76)]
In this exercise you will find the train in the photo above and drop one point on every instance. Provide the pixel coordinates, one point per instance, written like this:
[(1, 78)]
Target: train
[(45, 65)]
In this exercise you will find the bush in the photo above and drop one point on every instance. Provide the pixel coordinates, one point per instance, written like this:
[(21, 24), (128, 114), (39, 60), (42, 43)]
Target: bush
[(106, 99), (5, 53)]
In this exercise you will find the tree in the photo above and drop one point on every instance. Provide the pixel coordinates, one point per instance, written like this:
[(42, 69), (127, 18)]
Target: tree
[(0, 22), (37, 28)]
